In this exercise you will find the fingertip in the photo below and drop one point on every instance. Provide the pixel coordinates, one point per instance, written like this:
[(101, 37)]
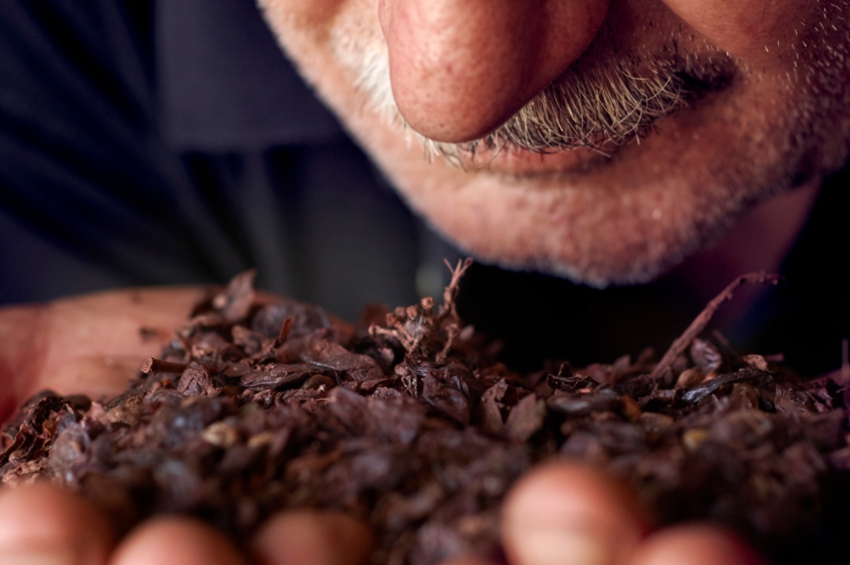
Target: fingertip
[(695, 544), (303, 537), (45, 523), (574, 488), (570, 513), (176, 540)]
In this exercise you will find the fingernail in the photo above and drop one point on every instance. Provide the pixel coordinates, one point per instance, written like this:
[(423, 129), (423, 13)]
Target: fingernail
[(37, 557), (573, 546)]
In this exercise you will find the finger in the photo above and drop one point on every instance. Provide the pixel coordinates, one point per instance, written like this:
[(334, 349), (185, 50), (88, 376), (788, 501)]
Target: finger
[(43, 524), (567, 514), (175, 540), (313, 538), (694, 545)]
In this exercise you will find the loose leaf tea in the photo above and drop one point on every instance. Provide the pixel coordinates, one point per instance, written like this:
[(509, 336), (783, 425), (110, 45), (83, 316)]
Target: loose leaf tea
[(417, 429)]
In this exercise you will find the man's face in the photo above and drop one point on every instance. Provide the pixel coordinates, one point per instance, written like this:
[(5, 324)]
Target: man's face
[(601, 141)]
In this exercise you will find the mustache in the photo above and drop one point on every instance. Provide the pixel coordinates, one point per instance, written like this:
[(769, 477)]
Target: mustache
[(605, 106), (609, 106)]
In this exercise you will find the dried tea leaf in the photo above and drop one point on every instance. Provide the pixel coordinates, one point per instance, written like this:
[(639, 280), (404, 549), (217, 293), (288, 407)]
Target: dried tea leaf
[(195, 381), (525, 419), (275, 375), (418, 430)]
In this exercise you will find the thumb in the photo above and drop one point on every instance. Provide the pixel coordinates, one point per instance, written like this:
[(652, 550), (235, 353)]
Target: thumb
[(568, 514)]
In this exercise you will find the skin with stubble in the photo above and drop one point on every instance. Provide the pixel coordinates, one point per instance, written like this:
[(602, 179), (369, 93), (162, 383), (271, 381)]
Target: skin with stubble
[(683, 114), (602, 140)]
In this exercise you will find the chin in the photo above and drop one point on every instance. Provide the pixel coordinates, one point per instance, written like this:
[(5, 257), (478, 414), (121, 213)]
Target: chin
[(602, 255)]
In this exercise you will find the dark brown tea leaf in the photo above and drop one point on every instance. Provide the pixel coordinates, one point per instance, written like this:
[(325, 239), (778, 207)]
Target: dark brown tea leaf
[(420, 432)]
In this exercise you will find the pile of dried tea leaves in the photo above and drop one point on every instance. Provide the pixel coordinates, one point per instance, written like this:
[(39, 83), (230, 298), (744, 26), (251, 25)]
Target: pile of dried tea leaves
[(414, 427)]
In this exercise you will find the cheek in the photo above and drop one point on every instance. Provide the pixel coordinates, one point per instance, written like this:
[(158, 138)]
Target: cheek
[(757, 31), (317, 16)]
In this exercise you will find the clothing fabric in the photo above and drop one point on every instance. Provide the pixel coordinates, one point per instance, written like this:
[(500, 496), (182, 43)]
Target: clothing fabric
[(171, 142)]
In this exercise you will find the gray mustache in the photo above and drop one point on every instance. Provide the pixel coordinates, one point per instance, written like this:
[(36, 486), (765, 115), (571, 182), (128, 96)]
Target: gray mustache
[(601, 107)]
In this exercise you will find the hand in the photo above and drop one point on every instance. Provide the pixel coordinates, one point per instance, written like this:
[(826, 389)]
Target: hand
[(558, 515), (567, 514), (92, 345)]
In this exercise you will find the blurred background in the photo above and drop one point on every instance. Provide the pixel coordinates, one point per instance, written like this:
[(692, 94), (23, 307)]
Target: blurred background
[(147, 142)]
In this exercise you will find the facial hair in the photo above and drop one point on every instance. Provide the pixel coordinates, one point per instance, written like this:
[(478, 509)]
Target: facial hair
[(633, 227), (598, 107)]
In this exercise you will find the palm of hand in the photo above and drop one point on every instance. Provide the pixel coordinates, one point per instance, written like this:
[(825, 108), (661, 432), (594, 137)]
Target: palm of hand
[(92, 345), (86, 345)]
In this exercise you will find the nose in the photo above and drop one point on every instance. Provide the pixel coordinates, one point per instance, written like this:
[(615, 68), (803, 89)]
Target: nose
[(460, 68)]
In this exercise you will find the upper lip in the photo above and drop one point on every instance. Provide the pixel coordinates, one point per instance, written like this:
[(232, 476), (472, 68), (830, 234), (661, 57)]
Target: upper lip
[(511, 160), (608, 131)]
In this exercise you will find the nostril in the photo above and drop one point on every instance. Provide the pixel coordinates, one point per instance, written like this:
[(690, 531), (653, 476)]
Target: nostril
[(460, 68)]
